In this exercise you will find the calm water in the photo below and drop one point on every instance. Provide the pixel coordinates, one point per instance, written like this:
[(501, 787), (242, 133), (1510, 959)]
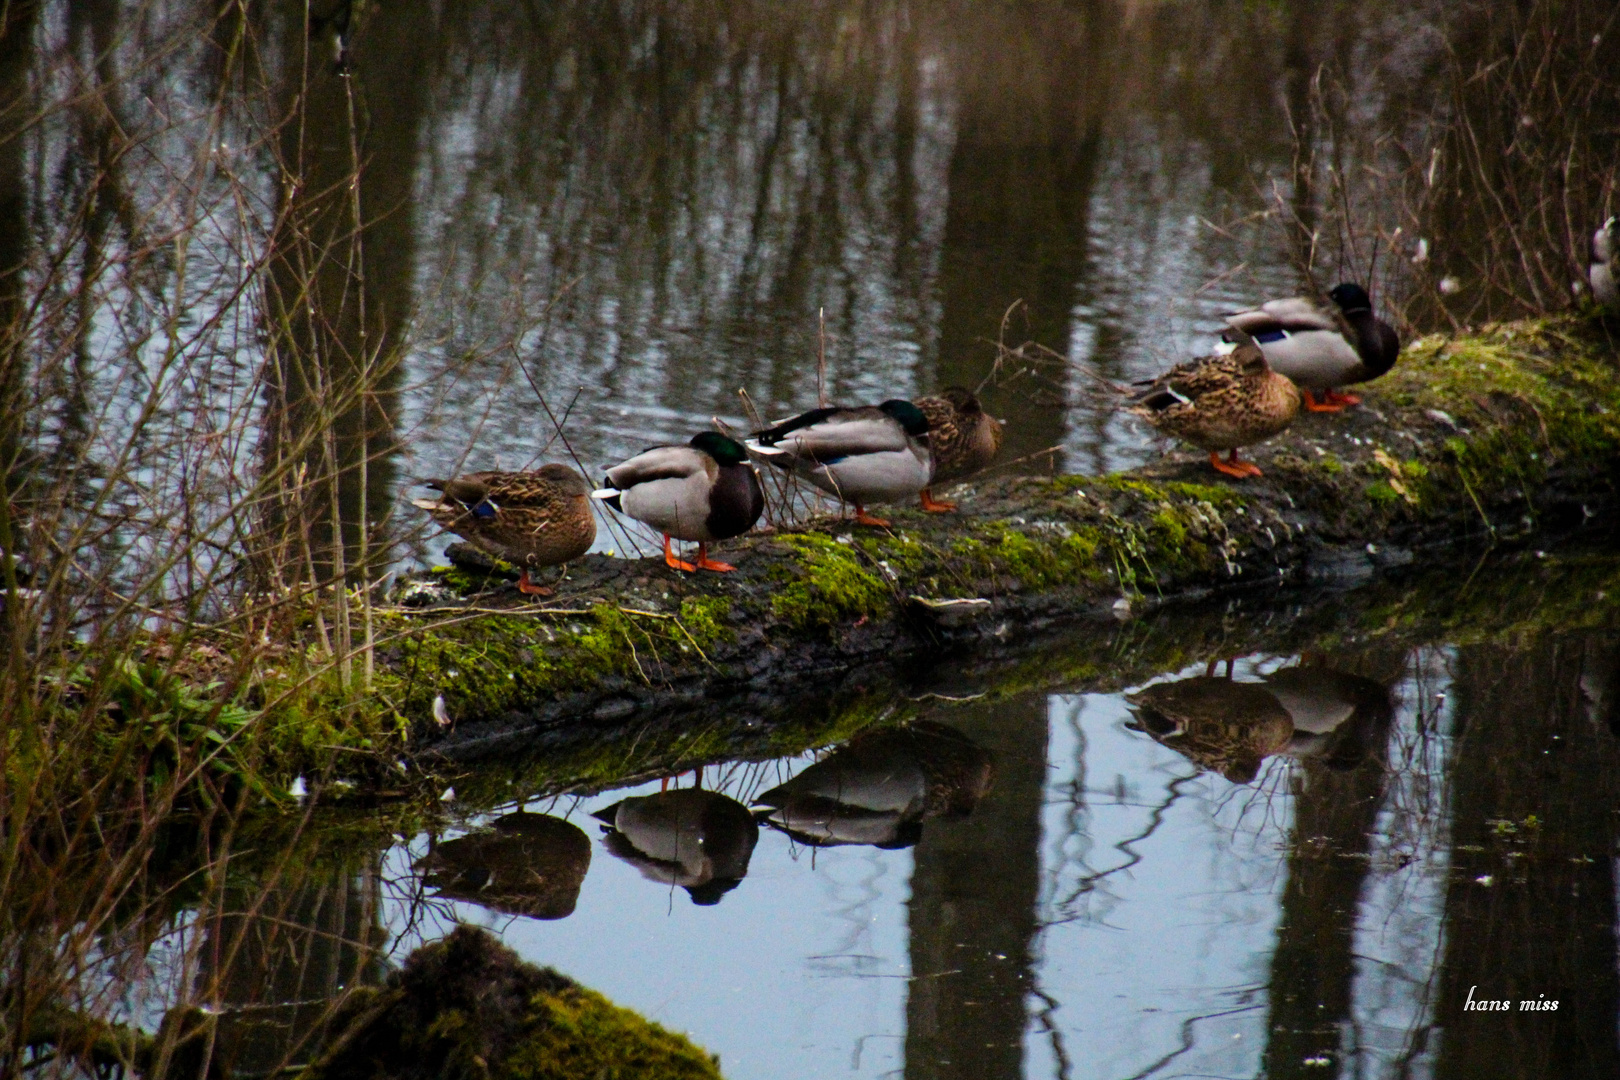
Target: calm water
[(1110, 910), (1300, 864), (641, 209), (638, 210)]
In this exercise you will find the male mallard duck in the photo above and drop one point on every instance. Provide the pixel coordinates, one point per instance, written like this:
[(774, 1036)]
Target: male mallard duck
[(1339, 718), (1322, 350), (703, 491), (962, 439), (699, 840), (531, 519), (1604, 273), (1220, 725), (1221, 403), (874, 453), (880, 787)]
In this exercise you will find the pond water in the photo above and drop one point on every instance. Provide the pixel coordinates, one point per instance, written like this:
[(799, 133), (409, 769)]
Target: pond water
[(639, 210), (1298, 853), (1110, 909)]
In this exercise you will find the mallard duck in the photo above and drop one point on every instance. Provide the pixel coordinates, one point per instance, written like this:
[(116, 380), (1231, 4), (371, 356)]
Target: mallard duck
[(1220, 725), (531, 519), (881, 787), (962, 439), (873, 453), (1221, 403), (1338, 717), (1322, 350), (699, 840), (703, 491), (527, 864), (1604, 273)]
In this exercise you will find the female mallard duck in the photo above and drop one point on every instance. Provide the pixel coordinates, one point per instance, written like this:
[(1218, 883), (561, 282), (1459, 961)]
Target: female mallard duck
[(1220, 725), (1322, 350), (1604, 273), (962, 439), (703, 491), (1221, 403), (525, 864), (875, 453), (531, 519)]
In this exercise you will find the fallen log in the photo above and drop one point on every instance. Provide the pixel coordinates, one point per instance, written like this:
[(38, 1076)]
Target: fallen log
[(1506, 596), (1501, 436)]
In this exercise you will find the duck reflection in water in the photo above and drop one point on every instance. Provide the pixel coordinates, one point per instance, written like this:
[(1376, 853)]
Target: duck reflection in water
[(699, 840), (1308, 711), (527, 864), (881, 787), (1339, 719)]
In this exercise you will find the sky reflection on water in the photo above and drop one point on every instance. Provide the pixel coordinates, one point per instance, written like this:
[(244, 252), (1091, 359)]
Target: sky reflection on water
[(1171, 923)]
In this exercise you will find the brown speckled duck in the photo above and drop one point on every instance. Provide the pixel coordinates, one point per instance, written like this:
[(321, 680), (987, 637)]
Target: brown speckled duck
[(1220, 725), (523, 864), (531, 519), (1221, 403), (962, 439)]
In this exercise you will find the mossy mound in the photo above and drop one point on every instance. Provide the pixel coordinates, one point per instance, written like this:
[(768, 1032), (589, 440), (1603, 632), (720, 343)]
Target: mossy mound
[(468, 1008)]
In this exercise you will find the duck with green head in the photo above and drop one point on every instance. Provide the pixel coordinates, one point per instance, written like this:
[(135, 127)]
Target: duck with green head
[(872, 453), (532, 519), (703, 491), (1319, 349)]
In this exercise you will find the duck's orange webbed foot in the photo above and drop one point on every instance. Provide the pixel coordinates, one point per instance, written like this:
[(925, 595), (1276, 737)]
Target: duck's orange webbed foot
[(1231, 466), (529, 588), (706, 563), (933, 505), (1327, 404), (1333, 397), (863, 518), (674, 561)]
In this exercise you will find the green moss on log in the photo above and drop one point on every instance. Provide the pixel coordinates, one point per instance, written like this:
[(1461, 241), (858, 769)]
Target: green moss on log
[(827, 582), (1468, 435)]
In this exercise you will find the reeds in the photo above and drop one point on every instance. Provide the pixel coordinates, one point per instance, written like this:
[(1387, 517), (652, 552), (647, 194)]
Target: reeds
[(1464, 185), (199, 375)]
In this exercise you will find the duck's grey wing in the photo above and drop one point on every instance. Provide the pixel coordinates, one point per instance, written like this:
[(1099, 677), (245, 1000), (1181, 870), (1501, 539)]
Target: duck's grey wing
[(659, 463), (1293, 315), (845, 433)]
